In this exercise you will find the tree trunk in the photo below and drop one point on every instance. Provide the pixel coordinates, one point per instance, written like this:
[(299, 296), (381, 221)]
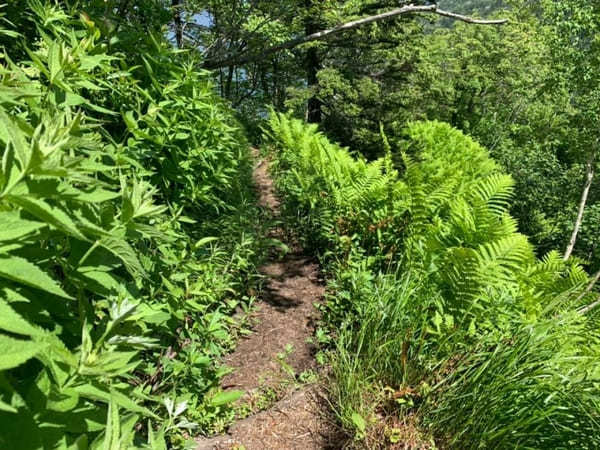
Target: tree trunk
[(228, 82), (177, 22), (313, 64), (314, 114), (584, 195)]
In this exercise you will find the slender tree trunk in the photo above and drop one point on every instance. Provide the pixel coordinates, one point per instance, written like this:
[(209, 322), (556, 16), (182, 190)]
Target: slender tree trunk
[(314, 114), (590, 286), (178, 22), (589, 307), (228, 82), (584, 196), (313, 64)]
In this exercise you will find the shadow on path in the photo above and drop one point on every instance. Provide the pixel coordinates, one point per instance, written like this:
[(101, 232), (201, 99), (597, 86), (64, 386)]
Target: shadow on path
[(285, 318)]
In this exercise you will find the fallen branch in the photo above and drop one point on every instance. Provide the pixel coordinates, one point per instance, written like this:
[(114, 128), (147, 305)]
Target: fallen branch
[(326, 34)]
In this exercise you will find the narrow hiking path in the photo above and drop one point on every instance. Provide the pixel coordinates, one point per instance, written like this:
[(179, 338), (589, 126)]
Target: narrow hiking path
[(269, 363)]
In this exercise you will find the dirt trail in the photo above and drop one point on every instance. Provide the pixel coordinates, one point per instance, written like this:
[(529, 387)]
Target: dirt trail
[(284, 323)]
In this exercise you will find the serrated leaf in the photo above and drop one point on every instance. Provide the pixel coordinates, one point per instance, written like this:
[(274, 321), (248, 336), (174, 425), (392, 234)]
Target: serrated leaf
[(49, 214), (22, 271), (12, 322), (122, 250), (12, 226), (14, 352)]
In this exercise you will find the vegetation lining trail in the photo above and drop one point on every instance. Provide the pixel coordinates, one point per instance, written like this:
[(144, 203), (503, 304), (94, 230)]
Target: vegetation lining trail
[(279, 348)]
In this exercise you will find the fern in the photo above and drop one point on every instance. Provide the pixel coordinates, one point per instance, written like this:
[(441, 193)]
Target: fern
[(481, 310)]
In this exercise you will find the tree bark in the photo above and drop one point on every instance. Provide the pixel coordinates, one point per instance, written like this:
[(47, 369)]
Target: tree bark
[(589, 176), (177, 22), (228, 82), (313, 64), (326, 34)]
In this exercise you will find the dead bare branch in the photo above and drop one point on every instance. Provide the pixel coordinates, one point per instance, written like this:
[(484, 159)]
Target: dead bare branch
[(326, 34)]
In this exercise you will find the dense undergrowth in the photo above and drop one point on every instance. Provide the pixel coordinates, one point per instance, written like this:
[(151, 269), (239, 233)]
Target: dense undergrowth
[(441, 313), (128, 236)]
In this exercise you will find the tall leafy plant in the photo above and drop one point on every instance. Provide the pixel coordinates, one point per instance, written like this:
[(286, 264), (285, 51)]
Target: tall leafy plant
[(113, 308)]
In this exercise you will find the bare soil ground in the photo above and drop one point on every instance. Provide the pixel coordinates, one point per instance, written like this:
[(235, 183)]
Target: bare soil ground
[(284, 321)]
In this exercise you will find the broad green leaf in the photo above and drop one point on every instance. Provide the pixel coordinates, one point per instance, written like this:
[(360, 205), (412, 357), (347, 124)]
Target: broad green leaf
[(93, 392), (22, 271), (14, 352), (72, 99), (10, 132), (226, 397), (130, 121), (6, 407), (90, 62), (110, 363), (62, 401), (97, 195), (112, 433), (101, 282), (54, 61), (9, 173), (204, 241), (359, 422)]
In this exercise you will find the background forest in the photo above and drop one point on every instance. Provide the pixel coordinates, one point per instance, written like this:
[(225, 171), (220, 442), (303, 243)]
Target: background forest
[(439, 158)]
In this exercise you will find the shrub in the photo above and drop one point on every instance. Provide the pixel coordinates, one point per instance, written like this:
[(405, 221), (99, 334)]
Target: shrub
[(114, 304)]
